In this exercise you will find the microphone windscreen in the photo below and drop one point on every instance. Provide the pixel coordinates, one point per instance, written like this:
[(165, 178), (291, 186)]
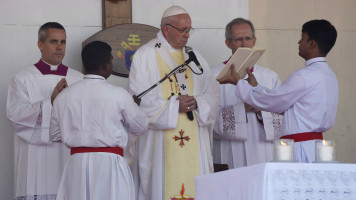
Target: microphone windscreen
[(190, 115), (188, 49)]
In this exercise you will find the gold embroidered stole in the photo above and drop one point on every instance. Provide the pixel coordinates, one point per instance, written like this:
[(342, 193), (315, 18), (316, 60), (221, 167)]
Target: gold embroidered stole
[(181, 147)]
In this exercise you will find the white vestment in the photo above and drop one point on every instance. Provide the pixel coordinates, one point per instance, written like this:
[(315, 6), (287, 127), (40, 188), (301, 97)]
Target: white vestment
[(148, 149), (308, 99), (239, 138), (94, 113), (38, 162)]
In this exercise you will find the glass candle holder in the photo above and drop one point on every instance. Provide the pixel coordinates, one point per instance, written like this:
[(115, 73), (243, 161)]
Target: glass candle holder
[(325, 151), (283, 150)]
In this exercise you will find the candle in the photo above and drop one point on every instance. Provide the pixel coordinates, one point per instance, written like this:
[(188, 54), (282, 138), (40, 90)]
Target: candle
[(179, 197), (326, 152), (182, 196), (284, 152)]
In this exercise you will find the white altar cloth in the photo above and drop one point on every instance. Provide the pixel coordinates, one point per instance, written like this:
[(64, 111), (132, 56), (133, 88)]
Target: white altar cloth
[(280, 181)]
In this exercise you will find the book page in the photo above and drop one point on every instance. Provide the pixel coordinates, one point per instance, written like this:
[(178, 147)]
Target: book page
[(243, 58), (250, 62), (237, 59)]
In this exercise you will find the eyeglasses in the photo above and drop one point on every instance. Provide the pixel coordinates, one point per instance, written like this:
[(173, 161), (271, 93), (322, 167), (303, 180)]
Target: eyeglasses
[(183, 30), (241, 39)]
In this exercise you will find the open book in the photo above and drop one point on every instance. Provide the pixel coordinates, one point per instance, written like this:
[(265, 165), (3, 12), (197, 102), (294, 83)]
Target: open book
[(243, 58)]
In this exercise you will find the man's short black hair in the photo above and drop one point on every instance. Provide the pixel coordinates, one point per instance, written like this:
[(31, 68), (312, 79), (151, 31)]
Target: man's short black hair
[(322, 32), (95, 54)]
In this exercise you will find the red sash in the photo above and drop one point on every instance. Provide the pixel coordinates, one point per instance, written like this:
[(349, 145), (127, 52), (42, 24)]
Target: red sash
[(116, 150), (300, 137)]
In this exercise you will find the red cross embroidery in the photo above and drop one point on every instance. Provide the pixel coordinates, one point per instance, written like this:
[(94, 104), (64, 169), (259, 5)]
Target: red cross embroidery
[(181, 138)]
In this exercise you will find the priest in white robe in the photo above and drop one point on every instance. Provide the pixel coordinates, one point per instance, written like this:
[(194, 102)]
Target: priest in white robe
[(91, 118), (176, 148), (243, 135), (38, 162), (309, 96)]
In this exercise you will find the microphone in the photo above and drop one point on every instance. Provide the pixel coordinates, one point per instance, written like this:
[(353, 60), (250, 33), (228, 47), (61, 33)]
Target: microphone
[(190, 115), (192, 57)]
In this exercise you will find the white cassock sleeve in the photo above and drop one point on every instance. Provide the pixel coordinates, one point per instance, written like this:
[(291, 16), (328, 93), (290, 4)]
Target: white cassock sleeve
[(135, 120), (231, 120), (54, 128), (277, 100), (231, 123), (25, 116)]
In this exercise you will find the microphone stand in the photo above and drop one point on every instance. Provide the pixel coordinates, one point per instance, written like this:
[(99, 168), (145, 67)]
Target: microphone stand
[(190, 113), (164, 78)]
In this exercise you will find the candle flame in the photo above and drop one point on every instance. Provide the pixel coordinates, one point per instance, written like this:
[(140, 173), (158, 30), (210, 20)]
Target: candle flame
[(182, 190), (325, 143), (283, 143)]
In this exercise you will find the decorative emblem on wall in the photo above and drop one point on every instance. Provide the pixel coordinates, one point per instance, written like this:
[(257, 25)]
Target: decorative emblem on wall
[(124, 40)]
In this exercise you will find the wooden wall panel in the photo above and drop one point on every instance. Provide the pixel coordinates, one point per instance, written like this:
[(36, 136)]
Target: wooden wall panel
[(116, 12)]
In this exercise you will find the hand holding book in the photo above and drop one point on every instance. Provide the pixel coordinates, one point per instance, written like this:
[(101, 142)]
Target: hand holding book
[(233, 77), (251, 78)]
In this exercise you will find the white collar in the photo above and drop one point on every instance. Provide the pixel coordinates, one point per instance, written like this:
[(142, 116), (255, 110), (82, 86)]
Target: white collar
[(53, 67), (93, 76), (314, 60)]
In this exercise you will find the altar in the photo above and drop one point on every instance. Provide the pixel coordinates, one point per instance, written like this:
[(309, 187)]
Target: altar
[(280, 181)]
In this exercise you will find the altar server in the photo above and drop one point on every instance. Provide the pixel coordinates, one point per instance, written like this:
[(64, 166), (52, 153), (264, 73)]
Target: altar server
[(92, 118)]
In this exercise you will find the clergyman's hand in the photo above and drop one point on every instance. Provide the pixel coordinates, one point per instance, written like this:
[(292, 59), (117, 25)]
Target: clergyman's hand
[(59, 87), (187, 103), (247, 107), (251, 78), (231, 78), (137, 100)]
